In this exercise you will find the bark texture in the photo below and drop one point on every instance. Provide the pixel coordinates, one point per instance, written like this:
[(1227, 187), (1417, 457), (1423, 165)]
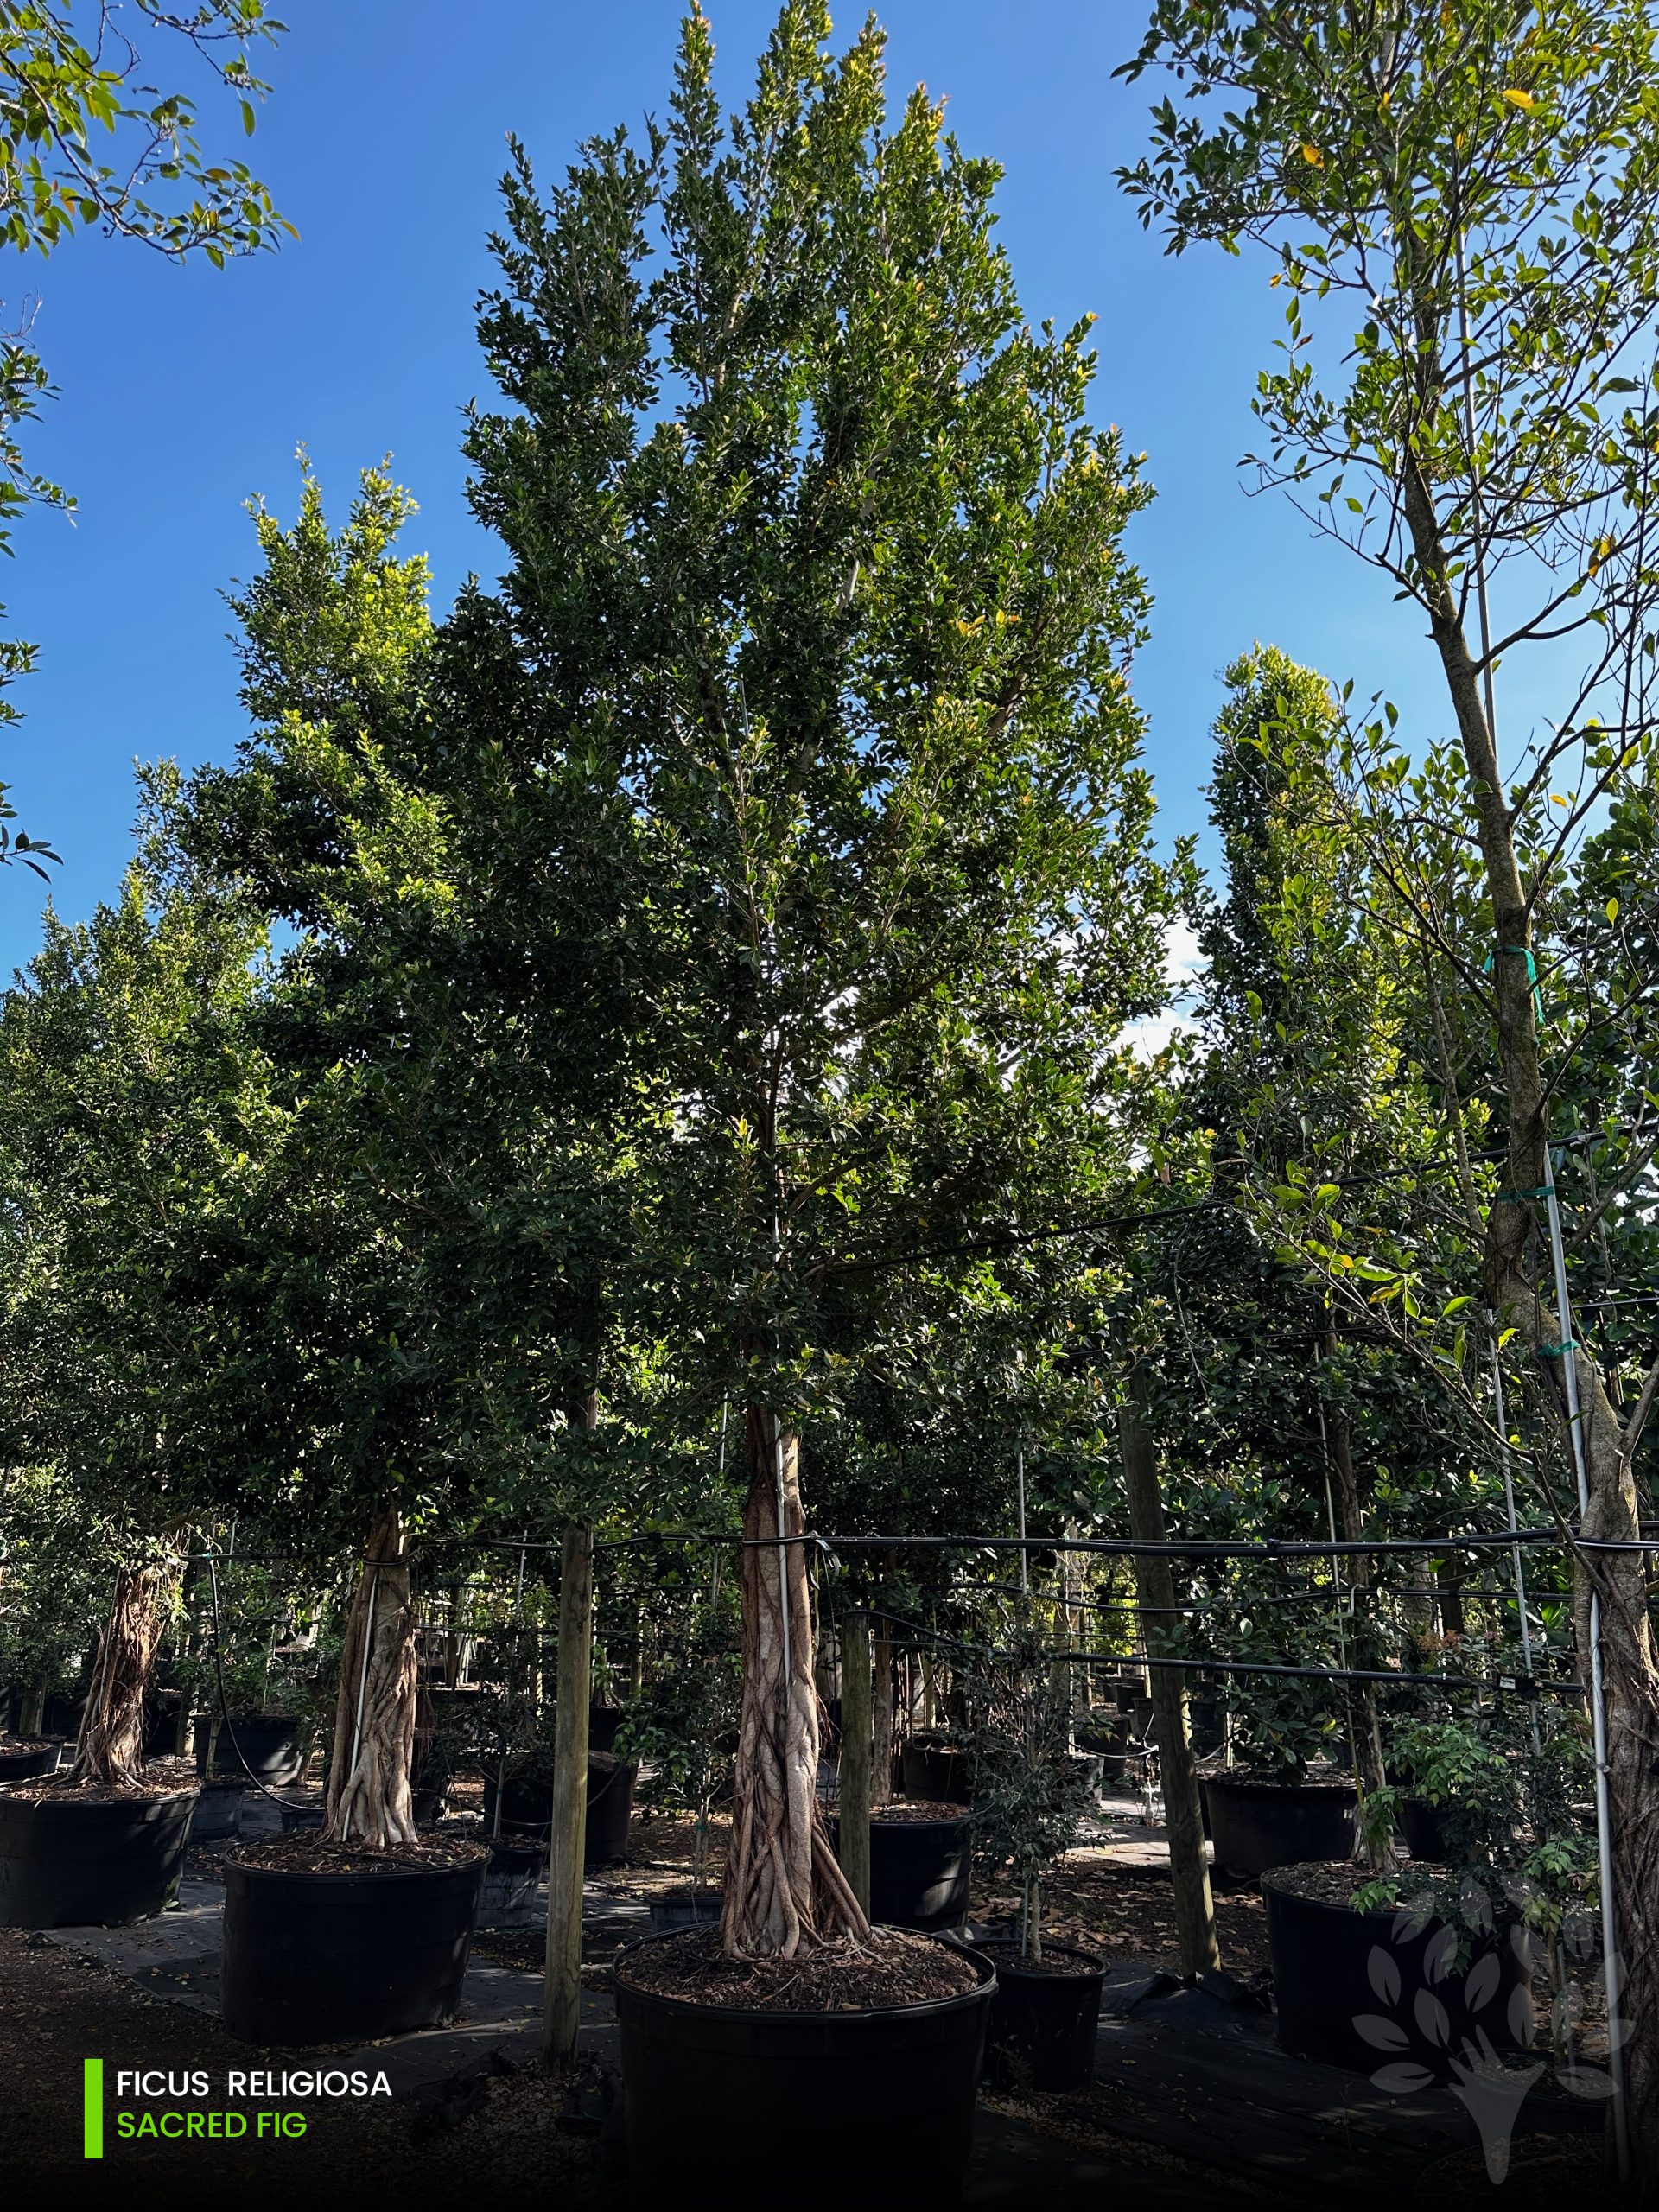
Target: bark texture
[(784, 1891), (111, 1746), (374, 1716)]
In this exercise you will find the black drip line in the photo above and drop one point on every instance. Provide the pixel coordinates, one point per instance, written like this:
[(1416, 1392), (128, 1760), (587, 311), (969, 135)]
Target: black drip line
[(1104, 1547)]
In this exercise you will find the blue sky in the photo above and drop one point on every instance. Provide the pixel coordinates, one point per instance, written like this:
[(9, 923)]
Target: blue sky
[(184, 392)]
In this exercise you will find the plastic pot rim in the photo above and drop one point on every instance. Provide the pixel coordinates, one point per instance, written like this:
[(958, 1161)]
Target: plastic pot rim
[(1267, 1785), (341, 1880), (24, 1791), (749, 2016), (1383, 1916), (1016, 1970)]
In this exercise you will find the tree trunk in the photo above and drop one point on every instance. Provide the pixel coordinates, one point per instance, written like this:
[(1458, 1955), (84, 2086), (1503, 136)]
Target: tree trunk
[(881, 1715), (854, 1766), (1630, 1675), (784, 1889), (374, 1715), (1195, 1911), (111, 1746), (562, 1985)]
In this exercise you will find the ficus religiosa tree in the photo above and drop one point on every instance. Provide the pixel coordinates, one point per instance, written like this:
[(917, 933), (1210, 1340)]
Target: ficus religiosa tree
[(1470, 195), (417, 1289), (816, 585)]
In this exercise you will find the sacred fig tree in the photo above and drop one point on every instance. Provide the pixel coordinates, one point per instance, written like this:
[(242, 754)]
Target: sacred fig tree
[(818, 596)]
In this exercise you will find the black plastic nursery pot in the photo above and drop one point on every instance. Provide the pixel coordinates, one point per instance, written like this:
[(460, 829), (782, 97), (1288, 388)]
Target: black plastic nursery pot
[(512, 1877), (79, 1862), (668, 1913), (219, 1811), (1421, 1825), (1371, 1989), (1256, 1822), (934, 1770), (716, 2096), (335, 1958), (18, 1762), (527, 1808), (270, 1744), (920, 1870), (1044, 2019)]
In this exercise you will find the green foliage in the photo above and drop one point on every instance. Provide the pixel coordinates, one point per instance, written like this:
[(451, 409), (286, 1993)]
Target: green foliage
[(1031, 1793)]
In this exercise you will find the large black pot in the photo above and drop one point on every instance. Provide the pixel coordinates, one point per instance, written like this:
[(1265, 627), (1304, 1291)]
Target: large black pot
[(513, 1877), (610, 1803), (270, 1745), (1421, 1825), (1043, 2024), (219, 1811), (77, 1862), (1373, 1989), (603, 1721), (919, 1871), (527, 1808), (1256, 1822), (340, 1957), (934, 1771), (18, 1762), (723, 2098)]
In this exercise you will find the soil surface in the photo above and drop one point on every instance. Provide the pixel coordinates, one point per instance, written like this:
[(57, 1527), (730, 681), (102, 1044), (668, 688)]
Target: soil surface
[(1058, 1958), (901, 1809), (1337, 1881), (1127, 1913), (892, 1967), (1310, 1785), (305, 1853), (160, 1779)]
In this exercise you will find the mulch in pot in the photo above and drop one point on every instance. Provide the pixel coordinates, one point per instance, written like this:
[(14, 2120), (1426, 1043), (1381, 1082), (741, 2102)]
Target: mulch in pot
[(905, 1810), (1332, 1881), (890, 1968), (161, 1778), (304, 1851), (1056, 1959)]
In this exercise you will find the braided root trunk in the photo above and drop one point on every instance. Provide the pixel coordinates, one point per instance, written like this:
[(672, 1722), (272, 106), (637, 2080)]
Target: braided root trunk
[(111, 1746), (784, 1891), (374, 1718)]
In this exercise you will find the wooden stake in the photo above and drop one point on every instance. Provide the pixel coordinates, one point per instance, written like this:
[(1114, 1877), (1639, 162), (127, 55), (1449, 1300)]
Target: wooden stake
[(856, 1734), (1195, 1911), (561, 1999)]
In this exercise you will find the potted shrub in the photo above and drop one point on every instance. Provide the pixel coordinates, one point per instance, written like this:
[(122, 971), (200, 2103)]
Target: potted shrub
[(685, 1733), (1430, 1966), (1029, 1805), (1280, 1805)]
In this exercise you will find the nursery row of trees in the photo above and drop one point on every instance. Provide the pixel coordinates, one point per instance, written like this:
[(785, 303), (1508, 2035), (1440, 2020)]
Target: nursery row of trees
[(688, 992)]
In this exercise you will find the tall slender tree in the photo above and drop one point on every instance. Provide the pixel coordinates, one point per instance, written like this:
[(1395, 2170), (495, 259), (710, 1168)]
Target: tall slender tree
[(817, 584), (1474, 190)]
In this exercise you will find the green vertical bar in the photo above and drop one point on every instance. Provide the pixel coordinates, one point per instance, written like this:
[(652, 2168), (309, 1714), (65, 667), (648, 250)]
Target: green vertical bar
[(93, 2108)]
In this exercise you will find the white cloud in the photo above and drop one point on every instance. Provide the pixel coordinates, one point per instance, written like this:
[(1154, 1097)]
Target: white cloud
[(1183, 964)]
